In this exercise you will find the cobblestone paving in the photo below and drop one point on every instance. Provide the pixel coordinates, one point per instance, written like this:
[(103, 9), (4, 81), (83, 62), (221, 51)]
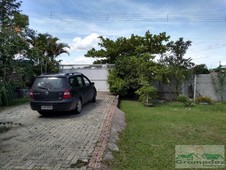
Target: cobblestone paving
[(54, 142)]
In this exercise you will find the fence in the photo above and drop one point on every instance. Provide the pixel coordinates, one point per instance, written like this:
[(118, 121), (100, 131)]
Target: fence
[(199, 85), (209, 85), (195, 86)]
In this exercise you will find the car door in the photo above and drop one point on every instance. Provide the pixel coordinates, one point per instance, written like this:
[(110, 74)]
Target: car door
[(82, 88), (74, 86), (88, 88)]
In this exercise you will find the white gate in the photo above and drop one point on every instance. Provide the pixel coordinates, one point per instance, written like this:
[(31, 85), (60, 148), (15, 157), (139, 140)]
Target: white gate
[(97, 73)]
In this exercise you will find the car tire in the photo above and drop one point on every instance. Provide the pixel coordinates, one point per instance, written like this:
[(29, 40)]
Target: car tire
[(78, 107), (94, 98)]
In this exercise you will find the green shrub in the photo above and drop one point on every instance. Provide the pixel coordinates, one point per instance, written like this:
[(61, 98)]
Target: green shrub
[(124, 79), (6, 93), (185, 100), (117, 85), (146, 94), (204, 99)]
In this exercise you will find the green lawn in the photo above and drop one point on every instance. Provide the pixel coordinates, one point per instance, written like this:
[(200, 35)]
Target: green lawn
[(149, 139)]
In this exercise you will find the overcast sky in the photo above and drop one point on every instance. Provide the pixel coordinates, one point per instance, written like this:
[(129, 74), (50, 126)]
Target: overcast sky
[(80, 22)]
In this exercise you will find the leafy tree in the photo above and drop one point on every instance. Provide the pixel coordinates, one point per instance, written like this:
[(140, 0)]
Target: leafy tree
[(13, 25), (177, 50), (53, 50), (178, 66), (44, 50), (200, 69), (21, 48), (11, 44), (130, 73), (124, 78), (133, 59), (162, 78), (133, 46), (146, 94), (8, 9)]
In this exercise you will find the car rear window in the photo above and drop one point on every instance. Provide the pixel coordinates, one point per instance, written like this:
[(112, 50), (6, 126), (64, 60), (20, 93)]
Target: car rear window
[(48, 83)]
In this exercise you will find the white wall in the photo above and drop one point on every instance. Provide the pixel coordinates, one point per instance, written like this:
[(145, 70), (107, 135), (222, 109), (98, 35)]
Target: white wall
[(98, 75), (207, 85)]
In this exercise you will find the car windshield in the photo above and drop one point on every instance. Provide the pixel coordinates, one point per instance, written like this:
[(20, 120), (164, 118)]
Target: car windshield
[(48, 83)]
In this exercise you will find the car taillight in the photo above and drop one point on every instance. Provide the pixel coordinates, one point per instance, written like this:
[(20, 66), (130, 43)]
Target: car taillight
[(67, 94), (31, 94)]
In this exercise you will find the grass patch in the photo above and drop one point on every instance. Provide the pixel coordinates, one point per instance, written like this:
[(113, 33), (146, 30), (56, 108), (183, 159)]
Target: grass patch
[(20, 101), (149, 140), (16, 102)]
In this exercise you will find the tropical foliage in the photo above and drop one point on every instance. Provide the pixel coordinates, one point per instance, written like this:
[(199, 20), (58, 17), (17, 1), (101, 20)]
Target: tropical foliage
[(135, 63), (44, 51), (185, 100), (6, 93), (179, 68), (135, 45), (24, 53), (146, 94)]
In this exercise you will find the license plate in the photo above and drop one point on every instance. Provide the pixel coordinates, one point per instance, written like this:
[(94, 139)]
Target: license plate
[(47, 107)]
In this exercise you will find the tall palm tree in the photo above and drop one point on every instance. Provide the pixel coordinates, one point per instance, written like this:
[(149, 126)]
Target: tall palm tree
[(48, 48), (55, 48)]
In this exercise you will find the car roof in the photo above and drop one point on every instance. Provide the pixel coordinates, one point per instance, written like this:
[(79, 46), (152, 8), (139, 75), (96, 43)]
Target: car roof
[(60, 74)]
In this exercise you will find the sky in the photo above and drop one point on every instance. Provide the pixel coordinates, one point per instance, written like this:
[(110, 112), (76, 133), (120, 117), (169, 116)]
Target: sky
[(79, 23)]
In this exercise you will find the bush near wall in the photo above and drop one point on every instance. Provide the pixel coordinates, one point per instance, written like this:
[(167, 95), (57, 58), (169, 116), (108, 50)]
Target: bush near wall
[(6, 93), (185, 100), (203, 99)]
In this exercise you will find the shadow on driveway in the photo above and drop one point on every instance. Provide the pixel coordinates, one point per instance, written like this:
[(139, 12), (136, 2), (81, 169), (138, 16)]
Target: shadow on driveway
[(72, 114)]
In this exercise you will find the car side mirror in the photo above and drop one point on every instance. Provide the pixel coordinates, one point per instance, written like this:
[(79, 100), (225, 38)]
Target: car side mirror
[(92, 83)]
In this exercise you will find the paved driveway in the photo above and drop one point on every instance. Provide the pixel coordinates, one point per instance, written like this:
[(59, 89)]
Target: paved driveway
[(53, 142)]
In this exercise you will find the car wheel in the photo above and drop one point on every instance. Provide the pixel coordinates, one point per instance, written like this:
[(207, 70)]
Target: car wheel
[(78, 107), (94, 98)]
